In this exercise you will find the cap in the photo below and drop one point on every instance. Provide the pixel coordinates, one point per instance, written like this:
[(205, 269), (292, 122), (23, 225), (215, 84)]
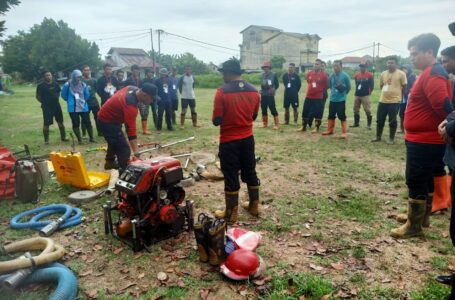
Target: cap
[(150, 89), (244, 239), (163, 71), (231, 65)]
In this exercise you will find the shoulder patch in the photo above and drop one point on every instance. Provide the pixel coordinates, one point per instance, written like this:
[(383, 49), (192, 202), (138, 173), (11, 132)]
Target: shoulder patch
[(438, 69), (130, 96), (237, 87)]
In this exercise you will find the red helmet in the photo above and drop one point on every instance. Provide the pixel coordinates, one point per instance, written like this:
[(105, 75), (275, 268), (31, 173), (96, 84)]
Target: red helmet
[(266, 64), (242, 264)]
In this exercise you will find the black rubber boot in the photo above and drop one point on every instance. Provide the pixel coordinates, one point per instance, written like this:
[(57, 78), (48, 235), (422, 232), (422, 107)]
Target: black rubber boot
[(296, 115), (84, 131), (62, 133), (77, 133), (356, 121), (379, 130), (216, 233), (46, 135), (286, 116), (90, 134), (392, 131), (201, 234), (369, 119)]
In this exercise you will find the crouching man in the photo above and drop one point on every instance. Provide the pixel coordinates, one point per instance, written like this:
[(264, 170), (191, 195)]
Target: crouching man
[(122, 108), (236, 107)]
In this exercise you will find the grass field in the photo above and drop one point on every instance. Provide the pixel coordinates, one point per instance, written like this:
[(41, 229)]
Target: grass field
[(328, 206)]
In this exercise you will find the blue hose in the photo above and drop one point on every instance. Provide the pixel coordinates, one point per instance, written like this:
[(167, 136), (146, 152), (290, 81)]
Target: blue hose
[(55, 272), (71, 216)]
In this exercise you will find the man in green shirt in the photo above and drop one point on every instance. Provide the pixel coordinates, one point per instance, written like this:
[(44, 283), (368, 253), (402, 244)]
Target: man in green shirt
[(340, 85)]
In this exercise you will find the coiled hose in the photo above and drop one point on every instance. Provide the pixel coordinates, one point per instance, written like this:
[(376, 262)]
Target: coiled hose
[(71, 216), (50, 253), (66, 281)]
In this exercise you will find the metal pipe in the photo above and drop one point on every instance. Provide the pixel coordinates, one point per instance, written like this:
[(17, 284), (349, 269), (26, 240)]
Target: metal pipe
[(15, 278), (186, 163), (181, 155), (106, 222), (164, 146)]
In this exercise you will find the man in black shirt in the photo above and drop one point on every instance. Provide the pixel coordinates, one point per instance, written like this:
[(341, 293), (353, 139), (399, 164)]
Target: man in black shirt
[(364, 85), (150, 78), (107, 85), (48, 93), (92, 102), (292, 85), (120, 79)]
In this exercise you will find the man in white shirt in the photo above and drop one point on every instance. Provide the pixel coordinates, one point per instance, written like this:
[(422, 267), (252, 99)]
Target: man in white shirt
[(186, 89)]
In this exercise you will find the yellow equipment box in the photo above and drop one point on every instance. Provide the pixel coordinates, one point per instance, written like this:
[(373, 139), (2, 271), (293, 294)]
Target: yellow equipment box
[(70, 169)]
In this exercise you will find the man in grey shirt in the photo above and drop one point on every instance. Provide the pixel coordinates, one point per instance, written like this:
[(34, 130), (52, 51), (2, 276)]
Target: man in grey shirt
[(186, 89)]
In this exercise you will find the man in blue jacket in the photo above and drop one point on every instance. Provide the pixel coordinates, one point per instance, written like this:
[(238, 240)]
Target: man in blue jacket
[(340, 85)]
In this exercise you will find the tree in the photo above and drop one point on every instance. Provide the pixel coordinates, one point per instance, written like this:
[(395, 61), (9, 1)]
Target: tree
[(50, 45), (180, 61), (5, 6), (277, 62)]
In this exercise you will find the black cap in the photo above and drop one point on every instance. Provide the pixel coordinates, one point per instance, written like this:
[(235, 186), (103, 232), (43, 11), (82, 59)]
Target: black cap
[(232, 65), (150, 89)]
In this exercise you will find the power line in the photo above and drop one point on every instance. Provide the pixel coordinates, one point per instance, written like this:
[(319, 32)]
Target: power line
[(347, 52), (194, 40), (101, 33), (393, 49), (118, 37)]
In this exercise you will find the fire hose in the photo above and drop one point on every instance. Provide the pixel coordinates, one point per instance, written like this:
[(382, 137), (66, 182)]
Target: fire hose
[(50, 252), (66, 281), (22, 270), (71, 216)]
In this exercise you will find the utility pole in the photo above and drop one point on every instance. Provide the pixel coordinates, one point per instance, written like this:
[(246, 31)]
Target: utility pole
[(374, 49), (378, 48), (160, 31), (153, 50)]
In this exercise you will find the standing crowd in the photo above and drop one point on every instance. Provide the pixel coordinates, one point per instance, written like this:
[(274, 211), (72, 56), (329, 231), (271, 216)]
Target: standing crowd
[(425, 105)]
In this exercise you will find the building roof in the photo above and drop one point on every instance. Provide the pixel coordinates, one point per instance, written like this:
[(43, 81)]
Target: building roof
[(356, 59), (294, 34), (129, 57), (128, 51), (269, 28), (303, 35)]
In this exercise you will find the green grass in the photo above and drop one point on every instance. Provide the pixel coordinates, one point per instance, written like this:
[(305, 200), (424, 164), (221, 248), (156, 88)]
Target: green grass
[(304, 284)]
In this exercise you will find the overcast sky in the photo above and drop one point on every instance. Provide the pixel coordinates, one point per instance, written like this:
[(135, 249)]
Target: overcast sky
[(343, 25)]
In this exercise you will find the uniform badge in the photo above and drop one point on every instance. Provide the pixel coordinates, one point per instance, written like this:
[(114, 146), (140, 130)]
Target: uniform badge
[(241, 85)]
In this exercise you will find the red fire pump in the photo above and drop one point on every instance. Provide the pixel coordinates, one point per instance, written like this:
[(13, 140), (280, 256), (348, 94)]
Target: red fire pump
[(150, 204)]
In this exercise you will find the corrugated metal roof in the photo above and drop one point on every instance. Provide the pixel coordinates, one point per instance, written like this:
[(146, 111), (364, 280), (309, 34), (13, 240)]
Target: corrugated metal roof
[(263, 27)]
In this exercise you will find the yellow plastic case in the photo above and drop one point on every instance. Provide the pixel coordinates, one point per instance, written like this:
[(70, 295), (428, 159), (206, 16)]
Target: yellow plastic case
[(70, 169)]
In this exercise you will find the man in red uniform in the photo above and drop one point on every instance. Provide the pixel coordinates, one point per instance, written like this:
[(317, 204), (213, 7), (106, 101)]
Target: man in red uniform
[(313, 107), (122, 108), (428, 105), (236, 107)]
